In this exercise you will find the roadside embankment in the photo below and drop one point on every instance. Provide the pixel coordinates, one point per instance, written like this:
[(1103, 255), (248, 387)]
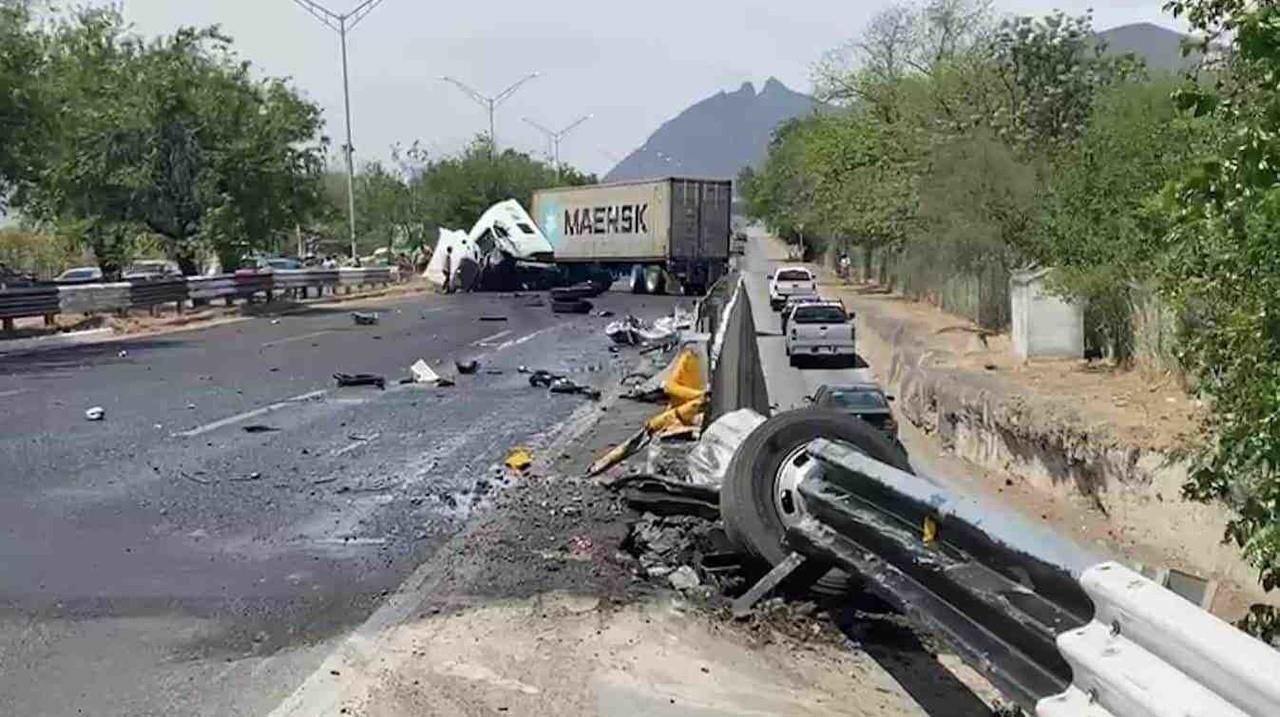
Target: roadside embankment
[(1108, 442)]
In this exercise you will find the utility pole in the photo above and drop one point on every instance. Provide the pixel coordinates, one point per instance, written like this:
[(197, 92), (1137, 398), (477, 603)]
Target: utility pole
[(490, 103), (342, 24), (555, 137)]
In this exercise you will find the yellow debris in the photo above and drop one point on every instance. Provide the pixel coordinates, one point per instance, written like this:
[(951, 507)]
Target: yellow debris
[(930, 533), (685, 382), (519, 459)]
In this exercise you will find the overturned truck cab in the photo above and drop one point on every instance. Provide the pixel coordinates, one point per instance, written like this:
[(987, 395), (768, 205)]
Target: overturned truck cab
[(662, 236)]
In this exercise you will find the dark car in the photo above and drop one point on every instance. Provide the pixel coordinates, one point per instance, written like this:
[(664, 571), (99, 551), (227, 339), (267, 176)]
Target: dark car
[(862, 400)]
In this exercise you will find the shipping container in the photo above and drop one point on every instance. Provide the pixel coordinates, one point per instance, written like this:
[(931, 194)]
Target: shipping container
[(660, 234)]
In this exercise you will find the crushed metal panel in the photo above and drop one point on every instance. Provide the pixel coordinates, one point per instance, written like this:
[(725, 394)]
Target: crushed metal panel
[(509, 228), (462, 249)]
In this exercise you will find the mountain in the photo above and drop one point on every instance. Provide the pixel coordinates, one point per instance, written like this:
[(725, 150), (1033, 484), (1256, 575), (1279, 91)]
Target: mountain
[(1160, 47), (716, 137)]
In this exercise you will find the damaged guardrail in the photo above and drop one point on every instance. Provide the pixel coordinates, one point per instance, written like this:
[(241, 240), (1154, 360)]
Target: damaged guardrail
[(144, 293), (1057, 628)]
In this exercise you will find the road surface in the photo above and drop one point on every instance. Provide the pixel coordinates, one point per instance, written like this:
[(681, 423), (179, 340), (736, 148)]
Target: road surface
[(235, 515)]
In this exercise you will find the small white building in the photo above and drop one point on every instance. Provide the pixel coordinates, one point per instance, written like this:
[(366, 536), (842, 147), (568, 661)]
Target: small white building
[(1043, 325)]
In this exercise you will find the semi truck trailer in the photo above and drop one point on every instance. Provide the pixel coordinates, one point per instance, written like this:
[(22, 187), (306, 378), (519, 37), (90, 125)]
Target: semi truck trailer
[(661, 235)]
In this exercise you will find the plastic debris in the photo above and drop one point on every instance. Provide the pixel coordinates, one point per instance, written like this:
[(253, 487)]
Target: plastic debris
[(467, 367), (519, 459), (97, 413), (422, 373), (364, 319), (493, 318)]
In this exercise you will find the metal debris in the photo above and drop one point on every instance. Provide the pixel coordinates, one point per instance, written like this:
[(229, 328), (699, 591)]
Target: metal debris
[(360, 379)]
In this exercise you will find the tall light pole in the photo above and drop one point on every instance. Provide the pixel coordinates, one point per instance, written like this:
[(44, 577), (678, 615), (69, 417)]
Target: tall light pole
[(342, 24), (555, 137), (490, 103)]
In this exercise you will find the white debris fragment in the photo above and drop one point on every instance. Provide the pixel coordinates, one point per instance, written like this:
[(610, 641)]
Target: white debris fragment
[(97, 413), (422, 373), (684, 578)]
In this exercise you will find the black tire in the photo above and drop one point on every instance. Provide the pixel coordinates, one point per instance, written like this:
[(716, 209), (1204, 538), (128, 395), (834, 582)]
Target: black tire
[(751, 517), (571, 306)]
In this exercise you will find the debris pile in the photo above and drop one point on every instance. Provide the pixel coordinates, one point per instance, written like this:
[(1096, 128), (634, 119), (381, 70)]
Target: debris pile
[(686, 552)]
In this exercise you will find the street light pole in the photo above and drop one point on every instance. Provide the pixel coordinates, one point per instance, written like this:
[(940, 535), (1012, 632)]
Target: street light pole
[(490, 103), (554, 137), (342, 24)]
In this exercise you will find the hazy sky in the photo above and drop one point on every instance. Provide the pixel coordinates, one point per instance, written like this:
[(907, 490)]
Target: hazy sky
[(633, 66)]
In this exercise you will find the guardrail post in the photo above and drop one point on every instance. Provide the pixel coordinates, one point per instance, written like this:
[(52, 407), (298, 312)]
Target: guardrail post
[(7, 325), (49, 319)]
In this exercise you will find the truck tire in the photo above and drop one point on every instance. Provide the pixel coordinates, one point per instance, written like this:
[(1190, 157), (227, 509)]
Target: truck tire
[(636, 282), (655, 280), (758, 498)]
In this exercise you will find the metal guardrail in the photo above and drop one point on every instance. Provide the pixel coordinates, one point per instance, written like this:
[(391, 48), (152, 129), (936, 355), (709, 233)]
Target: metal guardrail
[(28, 301), (47, 300), (1057, 631)]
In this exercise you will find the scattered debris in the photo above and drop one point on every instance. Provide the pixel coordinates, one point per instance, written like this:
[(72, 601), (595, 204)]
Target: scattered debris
[(360, 379), (605, 314), (565, 385), (493, 372), (467, 368), (493, 318), (519, 459), (365, 319), (422, 373), (122, 353), (541, 378), (259, 428), (684, 578), (534, 303), (665, 544), (247, 479), (97, 413), (783, 570), (445, 383), (651, 494)]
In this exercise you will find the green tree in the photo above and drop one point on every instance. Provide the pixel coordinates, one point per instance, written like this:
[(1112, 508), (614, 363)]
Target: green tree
[(173, 138), (1222, 269), (21, 108)]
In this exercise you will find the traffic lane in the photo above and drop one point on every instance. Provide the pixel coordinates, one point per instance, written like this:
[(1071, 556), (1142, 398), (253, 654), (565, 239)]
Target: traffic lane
[(789, 387), (188, 382), (213, 593)]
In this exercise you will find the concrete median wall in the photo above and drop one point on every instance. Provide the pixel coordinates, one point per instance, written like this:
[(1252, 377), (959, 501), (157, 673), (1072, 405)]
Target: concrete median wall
[(737, 378)]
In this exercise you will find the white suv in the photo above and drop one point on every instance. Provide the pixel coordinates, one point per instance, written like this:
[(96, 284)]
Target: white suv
[(790, 281)]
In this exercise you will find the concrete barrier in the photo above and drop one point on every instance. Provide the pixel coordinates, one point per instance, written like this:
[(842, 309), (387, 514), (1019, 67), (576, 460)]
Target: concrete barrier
[(737, 377)]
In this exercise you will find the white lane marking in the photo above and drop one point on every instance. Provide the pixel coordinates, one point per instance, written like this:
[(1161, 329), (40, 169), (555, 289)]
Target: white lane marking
[(6, 394), (300, 337), (229, 420), (489, 341), (516, 342)]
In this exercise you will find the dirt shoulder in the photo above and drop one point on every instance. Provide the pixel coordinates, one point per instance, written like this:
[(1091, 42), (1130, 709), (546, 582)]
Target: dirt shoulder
[(1091, 450)]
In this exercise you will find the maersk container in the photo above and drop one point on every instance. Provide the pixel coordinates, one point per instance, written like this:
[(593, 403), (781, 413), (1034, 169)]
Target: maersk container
[(653, 232)]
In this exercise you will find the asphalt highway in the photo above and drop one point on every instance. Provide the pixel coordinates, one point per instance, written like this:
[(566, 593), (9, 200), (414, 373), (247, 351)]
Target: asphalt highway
[(201, 549)]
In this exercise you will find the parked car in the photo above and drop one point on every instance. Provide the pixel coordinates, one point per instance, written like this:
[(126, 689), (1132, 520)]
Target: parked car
[(281, 263), (820, 331), (862, 400), (789, 281), (79, 275), (150, 269), (798, 300)]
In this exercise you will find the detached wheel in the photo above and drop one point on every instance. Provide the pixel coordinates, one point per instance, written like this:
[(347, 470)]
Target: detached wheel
[(759, 497), (636, 282)]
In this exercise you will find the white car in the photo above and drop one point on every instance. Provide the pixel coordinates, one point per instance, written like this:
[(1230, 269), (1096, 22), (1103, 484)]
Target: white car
[(820, 331), (790, 281)]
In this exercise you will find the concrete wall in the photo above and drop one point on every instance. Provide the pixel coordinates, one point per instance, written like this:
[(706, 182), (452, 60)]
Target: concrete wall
[(1043, 325), (737, 380)]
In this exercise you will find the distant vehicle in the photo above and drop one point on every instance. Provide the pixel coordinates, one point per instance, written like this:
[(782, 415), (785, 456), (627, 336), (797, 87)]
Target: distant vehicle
[(662, 234), (281, 263), (820, 331), (798, 300), (151, 269), (862, 400), (10, 279), (79, 275), (788, 281), (739, 244)]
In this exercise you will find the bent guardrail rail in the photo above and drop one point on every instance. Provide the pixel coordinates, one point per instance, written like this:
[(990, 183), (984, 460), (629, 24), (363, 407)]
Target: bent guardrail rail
[(1056, 628)]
